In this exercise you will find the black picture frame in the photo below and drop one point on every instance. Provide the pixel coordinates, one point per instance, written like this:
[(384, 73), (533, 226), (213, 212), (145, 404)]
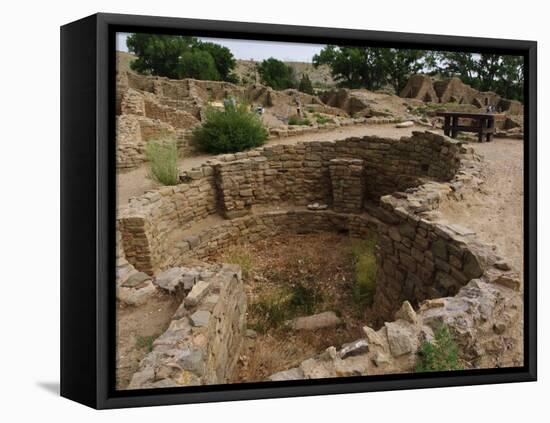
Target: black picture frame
[(88, 210)]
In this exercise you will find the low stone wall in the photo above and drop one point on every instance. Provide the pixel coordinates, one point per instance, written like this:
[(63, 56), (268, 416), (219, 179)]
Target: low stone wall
[(151, 223), (201, 346)]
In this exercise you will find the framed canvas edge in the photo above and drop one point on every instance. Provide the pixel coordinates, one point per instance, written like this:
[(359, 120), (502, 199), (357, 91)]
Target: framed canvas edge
[(105, 220)]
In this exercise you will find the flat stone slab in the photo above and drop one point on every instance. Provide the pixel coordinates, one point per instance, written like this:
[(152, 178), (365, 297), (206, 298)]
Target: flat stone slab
[(361, 346), (317, 206), (170, 279), (460, 230), (406, 124), (200, 318), (291, 374), (197, 293), (136, 279), (317, 321)]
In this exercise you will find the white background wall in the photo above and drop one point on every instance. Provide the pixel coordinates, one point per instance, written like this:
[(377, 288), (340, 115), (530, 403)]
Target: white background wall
[(29, 208)]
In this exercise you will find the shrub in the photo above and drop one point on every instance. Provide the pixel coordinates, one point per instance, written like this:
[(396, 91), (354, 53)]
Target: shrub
[(364, 262), (305, 85), (439, 355), (163, 161), (230, 130)]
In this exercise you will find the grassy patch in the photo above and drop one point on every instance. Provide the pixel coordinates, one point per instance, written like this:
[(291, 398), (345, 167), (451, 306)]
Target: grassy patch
[(321, 120), (364, 263), (272, 311), (439, 355), (240, 256), (145, 342), (295, 120), (162, 156)]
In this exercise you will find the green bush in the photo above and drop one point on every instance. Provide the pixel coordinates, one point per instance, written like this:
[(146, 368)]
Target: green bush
[(364, 262), (439, 355), (230, 130), (163, 161)]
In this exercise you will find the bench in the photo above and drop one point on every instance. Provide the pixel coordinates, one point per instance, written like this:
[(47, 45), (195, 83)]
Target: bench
[(484, 124)]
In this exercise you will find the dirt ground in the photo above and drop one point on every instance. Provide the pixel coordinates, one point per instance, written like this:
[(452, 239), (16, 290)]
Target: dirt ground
[(137, 327), (136, 182), (273, 269), (495, 211)]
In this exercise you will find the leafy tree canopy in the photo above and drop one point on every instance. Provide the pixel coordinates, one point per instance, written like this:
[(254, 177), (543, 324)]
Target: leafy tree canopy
[(276, 74), (373, 68), (484, 72), (176, 57)]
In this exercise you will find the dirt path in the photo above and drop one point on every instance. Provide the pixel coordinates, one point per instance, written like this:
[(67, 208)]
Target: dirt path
[(136, 182), (495, 211)]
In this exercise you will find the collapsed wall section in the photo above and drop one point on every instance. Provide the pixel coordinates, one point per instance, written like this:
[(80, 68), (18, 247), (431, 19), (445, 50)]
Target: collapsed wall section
[(201, 346)]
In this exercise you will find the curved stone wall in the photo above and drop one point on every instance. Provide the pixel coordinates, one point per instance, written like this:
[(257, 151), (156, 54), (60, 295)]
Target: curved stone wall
[(273, 176), (440, 268)]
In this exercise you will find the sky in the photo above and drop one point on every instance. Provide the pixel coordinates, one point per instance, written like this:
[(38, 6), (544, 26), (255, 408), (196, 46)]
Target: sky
[(256, 50)]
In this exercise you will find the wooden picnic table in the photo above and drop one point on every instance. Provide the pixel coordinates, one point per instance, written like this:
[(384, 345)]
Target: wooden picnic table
[(484, 124)]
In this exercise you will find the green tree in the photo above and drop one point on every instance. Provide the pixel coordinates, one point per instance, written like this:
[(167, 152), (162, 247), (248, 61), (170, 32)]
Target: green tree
[(198, 64), (400, 64), (176, 56), (305, 85), (371, 68), (485, 72), (157, 54), (276, 74), (223, 59)]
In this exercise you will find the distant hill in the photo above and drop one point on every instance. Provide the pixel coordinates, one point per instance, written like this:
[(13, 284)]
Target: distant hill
[(246, 70)]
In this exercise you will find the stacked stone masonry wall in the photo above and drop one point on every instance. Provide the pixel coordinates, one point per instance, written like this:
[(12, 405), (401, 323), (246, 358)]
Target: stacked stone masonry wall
[(440, 268)]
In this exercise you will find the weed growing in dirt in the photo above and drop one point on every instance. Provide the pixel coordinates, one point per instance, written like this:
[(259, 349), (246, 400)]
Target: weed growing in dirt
[(230, 130), (241, 257), (304, 299), (162, 155), (274, 311), (439, 355), (145, 342), (364, 262)]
